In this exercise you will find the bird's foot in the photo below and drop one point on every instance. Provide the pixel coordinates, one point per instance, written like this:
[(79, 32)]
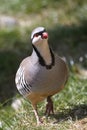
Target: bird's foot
[(49, 107), (39, 122)]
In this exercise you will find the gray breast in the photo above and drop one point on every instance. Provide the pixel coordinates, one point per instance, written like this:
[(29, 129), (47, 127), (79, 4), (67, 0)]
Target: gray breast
[(37, 79), (49, 79)]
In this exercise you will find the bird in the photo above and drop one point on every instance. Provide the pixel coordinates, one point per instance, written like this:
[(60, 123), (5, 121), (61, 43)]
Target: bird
[(42, 74)]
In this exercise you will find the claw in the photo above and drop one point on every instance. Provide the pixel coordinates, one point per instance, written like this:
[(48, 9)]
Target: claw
[(39, 122)]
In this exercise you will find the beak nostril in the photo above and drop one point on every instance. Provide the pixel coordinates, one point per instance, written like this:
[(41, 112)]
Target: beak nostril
[(45, 35)]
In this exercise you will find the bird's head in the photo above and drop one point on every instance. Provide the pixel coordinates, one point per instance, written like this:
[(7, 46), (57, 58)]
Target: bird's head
[(39, 35)]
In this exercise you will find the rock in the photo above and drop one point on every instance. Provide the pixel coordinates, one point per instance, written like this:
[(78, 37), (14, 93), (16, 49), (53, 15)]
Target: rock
[(16, 104), (8, 22)]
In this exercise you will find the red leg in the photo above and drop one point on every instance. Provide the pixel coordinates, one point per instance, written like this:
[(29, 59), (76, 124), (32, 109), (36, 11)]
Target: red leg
[(49, 106), (39, 121)]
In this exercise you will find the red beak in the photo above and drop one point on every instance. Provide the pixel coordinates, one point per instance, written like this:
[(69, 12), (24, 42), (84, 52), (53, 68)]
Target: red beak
[(45, 35)]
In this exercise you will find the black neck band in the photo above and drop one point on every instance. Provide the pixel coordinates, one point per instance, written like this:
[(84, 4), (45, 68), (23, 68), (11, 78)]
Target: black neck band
[(42, 61)]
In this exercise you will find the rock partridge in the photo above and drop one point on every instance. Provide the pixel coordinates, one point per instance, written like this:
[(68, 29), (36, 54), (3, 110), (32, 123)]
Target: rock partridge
[(42, 74)]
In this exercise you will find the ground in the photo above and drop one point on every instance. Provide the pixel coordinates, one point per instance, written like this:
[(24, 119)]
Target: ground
[(66, 22)]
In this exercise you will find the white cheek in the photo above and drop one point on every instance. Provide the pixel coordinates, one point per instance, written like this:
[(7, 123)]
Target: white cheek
[(36, 40)]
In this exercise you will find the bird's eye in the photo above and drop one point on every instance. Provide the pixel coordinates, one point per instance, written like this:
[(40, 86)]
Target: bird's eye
[(36, 35)]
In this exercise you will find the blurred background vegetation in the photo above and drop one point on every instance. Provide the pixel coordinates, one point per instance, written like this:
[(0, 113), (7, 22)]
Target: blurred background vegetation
[(66, 22)]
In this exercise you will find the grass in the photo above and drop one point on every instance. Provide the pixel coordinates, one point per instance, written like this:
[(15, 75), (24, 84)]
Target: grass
[(66, 22), (70, 110)]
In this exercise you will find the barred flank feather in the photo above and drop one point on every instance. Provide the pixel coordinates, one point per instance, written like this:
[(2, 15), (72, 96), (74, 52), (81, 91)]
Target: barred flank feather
[(23, 87)]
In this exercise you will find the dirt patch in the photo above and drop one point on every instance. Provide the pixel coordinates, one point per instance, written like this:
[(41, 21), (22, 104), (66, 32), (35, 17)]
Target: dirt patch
[(79, 125)]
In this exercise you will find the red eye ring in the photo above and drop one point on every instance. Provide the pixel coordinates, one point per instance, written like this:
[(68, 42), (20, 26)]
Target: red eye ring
[(36, 35)]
